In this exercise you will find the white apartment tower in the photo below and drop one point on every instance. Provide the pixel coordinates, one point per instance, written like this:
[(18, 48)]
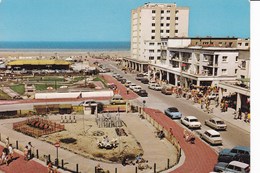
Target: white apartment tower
[(152, 22)]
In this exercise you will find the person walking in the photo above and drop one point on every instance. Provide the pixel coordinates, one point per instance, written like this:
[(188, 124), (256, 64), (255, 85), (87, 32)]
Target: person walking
[(7, 142), (239, 114), (11, 151), (25, 153), (30, 150)]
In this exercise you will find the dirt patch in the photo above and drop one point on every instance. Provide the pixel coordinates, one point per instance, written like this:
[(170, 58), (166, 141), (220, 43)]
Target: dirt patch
[(85, 136)]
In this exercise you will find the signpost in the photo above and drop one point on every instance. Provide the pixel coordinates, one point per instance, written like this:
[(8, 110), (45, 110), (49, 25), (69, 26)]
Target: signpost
[(57, 145)]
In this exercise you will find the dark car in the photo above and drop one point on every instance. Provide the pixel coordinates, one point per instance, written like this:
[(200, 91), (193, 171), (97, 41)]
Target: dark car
[(238, 153), (123, 81), (145, 80), (142, 93)]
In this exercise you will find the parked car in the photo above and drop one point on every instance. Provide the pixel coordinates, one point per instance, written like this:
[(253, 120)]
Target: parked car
[(139, 76), (117, 99), (123, 81), (232, 167), (238, 153), (145, 80), (167, 90), (212, 137), (131, 86), (155, 86), (191, 122), (216, 124), (173, 112), (137, 88), (142, 93), (93, 103), (127, 83)]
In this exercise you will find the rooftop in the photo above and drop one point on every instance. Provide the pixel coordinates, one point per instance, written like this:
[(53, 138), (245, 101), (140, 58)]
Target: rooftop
[(39, 62)]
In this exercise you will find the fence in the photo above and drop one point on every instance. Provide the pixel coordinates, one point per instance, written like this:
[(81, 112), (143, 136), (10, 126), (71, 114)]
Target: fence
[(37, 127)]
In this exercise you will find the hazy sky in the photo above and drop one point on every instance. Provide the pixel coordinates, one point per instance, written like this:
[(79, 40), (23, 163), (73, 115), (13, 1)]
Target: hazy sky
[(109, 20)]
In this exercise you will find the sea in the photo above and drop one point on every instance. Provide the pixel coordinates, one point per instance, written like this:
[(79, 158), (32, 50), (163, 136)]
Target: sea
[(64, 46)]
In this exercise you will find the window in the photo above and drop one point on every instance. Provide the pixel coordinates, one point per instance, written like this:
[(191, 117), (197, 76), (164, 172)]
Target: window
[(167, 18), (159, 43), (235, 71), (236, 58), (161, 31), (153, 24), (167, 31), (153, 31), (153, 11), (224, 71), (167, 24), (239, 44), (153, 18), (151, 44), (176, 24), (153, 37), (177, 11), (162, 11), (151, 58), (246, 44), (168, 11), (243, 64), (224, 59), (161, 24), (176, 18), (176, 31), (162, 18), (158, 57), (158, 50), (151, 51)]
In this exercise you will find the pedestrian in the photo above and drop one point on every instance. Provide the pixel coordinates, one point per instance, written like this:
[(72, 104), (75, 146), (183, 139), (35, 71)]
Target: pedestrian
[(7, 142), (235, 115), (246, 117), (4, 157), (226, 106), (25, 153), (30, 150), (11, 151), (239, 114), (127, 91)]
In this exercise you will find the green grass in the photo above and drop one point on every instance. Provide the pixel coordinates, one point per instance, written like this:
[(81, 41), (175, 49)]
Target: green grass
[(18, 88), (46, 78), (101, 80), (78, 78), (4, 96), (41, 87)]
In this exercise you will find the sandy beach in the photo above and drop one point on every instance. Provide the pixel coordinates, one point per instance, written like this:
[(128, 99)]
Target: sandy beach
[(65, 53)]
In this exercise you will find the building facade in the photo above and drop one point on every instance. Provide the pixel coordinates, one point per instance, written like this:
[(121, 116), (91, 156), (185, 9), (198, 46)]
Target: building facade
[(150, 23)]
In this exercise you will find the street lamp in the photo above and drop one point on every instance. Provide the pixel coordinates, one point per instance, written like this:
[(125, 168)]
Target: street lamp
[(144, 103)]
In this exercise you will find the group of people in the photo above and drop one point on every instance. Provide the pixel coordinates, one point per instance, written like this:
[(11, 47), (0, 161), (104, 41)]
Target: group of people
[(188, 136), (238, 115), (7, 153), (28, 151)]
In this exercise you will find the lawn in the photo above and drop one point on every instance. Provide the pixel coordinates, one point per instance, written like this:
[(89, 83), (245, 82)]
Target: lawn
[(18, 88), (100, 79), (46, 78), (41, 87)]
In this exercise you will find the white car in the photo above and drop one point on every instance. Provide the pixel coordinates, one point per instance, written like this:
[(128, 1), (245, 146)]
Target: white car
[(191, 122), (155, 86), (212, 137), (132, 85), (212, 96), (216, 124), (127, 83), (137, 88)]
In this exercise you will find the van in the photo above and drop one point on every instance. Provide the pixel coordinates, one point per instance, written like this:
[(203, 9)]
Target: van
[(117, 99), (167, 90)]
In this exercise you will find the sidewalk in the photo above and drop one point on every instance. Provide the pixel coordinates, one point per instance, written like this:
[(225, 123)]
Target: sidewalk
[(20, 165), (226, 116)]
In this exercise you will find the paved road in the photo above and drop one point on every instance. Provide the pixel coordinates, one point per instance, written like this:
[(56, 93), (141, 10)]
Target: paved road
[(235, 135)]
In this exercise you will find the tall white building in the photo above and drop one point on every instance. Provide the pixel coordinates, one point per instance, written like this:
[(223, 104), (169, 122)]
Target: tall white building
[(150, 23)]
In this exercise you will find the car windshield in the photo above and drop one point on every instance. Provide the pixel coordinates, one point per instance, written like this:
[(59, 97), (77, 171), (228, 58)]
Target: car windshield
[(220, 122), (215, 136), (193, 120), (173, 110)]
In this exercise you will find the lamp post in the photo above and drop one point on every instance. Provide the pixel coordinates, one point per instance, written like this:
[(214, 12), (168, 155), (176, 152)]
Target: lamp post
[(57, 145)]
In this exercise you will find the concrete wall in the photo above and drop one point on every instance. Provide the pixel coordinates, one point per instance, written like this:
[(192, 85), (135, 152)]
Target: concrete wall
[(73, 94)]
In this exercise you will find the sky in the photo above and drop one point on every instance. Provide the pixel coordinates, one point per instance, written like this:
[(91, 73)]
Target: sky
[(110, 20)]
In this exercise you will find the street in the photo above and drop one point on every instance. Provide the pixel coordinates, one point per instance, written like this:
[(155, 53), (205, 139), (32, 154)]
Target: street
[(232, 137)]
